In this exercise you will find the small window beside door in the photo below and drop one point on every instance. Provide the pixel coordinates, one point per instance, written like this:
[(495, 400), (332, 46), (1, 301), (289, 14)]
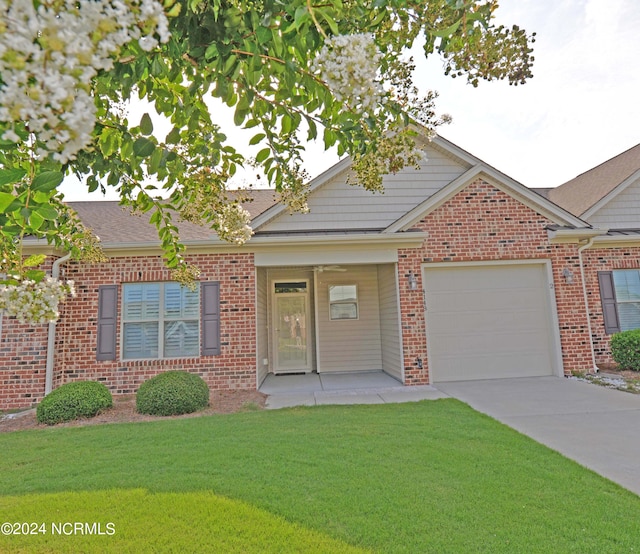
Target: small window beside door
[(343, 302)]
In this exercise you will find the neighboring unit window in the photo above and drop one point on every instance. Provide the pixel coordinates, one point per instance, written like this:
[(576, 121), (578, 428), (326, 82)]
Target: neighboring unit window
[(343, 302), (620, 297), (160, 320), (627, 289)]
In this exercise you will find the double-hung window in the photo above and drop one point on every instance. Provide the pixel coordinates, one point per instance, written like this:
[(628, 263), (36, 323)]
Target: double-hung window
[(160, 320), (620, 295)]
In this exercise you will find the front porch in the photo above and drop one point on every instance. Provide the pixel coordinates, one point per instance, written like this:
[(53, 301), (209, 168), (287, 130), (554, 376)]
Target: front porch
[(361, 387)]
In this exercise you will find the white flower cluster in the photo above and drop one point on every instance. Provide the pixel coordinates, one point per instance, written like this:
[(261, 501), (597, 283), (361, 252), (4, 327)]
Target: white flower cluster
[(50, 51), (233, 224), (35, 302), (349, 64)]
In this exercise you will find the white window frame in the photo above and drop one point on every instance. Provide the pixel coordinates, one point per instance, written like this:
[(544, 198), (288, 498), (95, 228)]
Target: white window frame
[(343, 303), (161, 321)]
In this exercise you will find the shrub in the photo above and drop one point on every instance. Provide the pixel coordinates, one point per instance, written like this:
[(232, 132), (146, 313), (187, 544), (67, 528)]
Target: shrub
[(625, 349), (172, 393), (72, 401)]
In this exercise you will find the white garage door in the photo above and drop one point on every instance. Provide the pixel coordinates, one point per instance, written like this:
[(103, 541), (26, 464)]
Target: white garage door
[(489, 322)]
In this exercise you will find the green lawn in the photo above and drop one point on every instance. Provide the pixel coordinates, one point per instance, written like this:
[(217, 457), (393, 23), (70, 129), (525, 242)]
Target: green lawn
[(433, 476)]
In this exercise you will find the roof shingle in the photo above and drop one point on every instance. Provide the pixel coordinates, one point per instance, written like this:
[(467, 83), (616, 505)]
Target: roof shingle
[(585, 190)]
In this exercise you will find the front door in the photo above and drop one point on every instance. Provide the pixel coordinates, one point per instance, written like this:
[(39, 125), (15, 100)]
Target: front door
[(291, 327)]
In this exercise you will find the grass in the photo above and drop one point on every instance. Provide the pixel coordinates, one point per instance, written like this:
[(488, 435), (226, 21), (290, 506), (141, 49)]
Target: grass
[(433, 476)]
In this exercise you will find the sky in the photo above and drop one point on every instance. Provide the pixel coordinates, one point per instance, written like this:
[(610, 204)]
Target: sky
[(581, 108)]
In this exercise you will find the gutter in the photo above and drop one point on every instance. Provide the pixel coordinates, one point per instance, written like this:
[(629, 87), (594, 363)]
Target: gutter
[(586, 245), (51, 338)]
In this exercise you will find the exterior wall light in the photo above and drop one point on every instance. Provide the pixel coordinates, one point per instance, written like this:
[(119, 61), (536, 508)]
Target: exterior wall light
[(568, 275), (411, 279)]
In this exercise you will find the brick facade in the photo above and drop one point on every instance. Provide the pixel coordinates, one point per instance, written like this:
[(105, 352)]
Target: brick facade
[(23, 347), (479, 223), (482, 223), (604, 259)]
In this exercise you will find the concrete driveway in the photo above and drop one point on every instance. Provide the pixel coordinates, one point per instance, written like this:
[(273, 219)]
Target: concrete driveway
[(597, 427)]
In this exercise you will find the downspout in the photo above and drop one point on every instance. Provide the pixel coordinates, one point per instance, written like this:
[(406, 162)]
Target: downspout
[(586, 300), (51, 339)]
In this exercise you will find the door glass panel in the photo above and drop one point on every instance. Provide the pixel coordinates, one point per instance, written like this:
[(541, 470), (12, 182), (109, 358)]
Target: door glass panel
[(291, 332)]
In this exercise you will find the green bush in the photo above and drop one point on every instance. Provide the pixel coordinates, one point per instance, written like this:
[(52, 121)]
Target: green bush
[(625, 349), (172, 393), (72, 401)]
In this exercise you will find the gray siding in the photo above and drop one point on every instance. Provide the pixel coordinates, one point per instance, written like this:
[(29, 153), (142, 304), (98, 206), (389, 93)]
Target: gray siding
[(389, 321), (350, 345), (622, 211), (336, 205)]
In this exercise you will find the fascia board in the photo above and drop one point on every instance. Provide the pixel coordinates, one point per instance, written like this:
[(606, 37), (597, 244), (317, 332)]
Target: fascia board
[(400, 240), (611, 195), (616, 241), (569, 236)]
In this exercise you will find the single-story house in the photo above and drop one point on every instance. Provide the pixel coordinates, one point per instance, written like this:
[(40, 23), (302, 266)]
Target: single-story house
[(456, 272)]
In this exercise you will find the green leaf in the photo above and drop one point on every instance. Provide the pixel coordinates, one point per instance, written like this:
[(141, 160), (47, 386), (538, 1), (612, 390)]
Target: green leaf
[(263, 155), (6, 200), (143, 147), (448, 31), (35, 260), (255, 139), (47, 181), (35, 275), (12, 175), (146, 125), (35, 221), (174, 136), (47, 212), (330, 21), (156, 159)]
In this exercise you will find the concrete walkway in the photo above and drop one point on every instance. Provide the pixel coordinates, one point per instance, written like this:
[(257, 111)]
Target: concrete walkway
[(597, 427), (369, 387)]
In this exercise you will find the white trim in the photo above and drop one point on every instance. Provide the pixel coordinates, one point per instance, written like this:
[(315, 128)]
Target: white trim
[(611, 195), (327, 256), (564, 236), (400, 335), (556, 355), (274, 330)]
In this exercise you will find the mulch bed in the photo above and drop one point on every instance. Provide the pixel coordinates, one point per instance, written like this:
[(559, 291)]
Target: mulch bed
[(124, 411)]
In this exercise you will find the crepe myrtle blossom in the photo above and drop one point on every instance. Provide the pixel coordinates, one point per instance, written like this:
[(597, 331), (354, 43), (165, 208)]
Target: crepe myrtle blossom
[(35, 302), (50, 52), (348, 64), (233, 224)]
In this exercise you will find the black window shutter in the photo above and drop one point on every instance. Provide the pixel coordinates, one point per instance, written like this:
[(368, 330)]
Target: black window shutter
[(107, 316), (210, 299), (609, 305)]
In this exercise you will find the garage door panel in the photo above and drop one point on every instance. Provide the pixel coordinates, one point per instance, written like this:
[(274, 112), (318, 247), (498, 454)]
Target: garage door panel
[(515, 343), (502, 367), (488, 321)]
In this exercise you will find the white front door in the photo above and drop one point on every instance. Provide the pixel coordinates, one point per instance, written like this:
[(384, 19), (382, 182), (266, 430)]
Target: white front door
[(291, 329)]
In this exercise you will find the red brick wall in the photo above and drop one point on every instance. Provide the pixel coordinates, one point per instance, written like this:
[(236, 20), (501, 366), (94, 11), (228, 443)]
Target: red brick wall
[(604, 259), (76, 337), (23, 350), (482, 223)]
